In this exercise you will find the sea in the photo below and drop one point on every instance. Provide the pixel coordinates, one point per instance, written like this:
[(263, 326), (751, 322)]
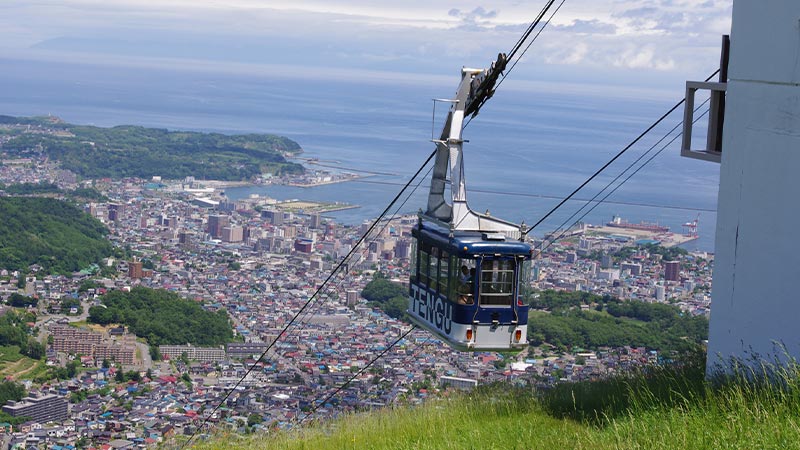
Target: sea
[(531, 145)]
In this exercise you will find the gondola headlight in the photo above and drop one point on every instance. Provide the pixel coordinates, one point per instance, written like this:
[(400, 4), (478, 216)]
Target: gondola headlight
[(469, 335), (518, 335)]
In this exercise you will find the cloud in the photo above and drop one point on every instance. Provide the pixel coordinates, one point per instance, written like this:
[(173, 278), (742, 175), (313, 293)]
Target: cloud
[(422, 36), (593, 26), (477, 19)]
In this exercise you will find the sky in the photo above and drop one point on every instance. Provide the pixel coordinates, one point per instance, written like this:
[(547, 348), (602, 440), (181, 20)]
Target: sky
[(623, 42)]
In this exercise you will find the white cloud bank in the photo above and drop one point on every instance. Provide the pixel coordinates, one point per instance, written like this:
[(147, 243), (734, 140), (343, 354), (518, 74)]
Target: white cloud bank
[(434, 36)]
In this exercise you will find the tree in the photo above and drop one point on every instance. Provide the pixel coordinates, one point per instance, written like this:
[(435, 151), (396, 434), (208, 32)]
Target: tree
[(21, 301), (163, 317), (155, 353), (10, 390), (254, 419), (87, 284), (33, 349)]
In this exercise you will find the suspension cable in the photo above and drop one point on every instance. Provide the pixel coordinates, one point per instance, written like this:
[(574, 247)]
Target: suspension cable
[(551, 242), (621, 152), (374, 237), (357, 374), (556, 197), (408, 358), (547, 22), (310, 300), (530, 29), (622, 173)]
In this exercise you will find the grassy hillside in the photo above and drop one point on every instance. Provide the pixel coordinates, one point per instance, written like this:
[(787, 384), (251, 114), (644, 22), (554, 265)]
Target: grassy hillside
[(133, 151), (52, 233), (667, 408)]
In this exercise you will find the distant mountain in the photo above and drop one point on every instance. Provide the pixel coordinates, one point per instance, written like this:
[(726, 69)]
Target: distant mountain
[(134, 151), (51, 233)]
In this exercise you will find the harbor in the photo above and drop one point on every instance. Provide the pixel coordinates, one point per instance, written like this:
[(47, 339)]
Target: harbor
[(640, 233)]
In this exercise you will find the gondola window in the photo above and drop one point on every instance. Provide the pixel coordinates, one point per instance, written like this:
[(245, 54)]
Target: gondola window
[(497, 282)]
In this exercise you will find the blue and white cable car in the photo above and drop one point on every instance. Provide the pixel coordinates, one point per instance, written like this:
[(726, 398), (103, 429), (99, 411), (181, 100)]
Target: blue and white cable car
[(467, 267)]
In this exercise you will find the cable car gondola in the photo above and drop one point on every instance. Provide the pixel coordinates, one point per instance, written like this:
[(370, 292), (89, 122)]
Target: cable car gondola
[(467, 267)]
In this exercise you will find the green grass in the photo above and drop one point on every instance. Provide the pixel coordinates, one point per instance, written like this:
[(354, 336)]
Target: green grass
[(19, 367), (10, 354), (662, 408)]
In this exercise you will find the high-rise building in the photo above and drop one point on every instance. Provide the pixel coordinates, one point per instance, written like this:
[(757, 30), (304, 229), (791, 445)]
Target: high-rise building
[(402, 249), (216, 223), (634, 268), (115, 211), (135, 270), (275, 217), (316, 221), (672, 271), (232, 233), (352, 298), (183, 237), (660, 293)]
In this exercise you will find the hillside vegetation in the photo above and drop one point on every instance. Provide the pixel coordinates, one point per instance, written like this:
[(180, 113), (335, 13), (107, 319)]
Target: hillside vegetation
[(390, 297), (662, 408), (557, 318), (51, 189), (51, 233), (134, 151), (163, 317)]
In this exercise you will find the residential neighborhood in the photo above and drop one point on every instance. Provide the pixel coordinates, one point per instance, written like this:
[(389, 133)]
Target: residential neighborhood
[(263, 265)]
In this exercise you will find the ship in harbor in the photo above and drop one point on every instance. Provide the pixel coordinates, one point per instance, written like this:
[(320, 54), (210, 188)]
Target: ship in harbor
[(618, 222)]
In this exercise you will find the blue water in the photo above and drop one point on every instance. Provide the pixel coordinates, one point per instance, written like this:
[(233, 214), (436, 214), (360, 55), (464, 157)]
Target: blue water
[(525, 143)]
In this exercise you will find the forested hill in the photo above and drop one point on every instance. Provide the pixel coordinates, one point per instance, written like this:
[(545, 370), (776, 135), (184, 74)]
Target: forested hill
[(163, 317), (134, 151), (54, 234)]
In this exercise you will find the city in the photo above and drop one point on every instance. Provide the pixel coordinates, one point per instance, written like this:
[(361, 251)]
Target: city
[(261, 265)]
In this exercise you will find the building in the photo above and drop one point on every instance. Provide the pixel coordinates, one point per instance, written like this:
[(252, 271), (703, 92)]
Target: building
[(316, 221), (608, 274), (76, 341), (232, 233), (303, 245), (352, 298), (402, 249), (660, 293), (123, 354), (275, 217), (634, 268), (216, 223), (672, 271), (465, 384), (754, 301), (135, 270), (243, 350), (115, 211), (42, 408), (213, 354)]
